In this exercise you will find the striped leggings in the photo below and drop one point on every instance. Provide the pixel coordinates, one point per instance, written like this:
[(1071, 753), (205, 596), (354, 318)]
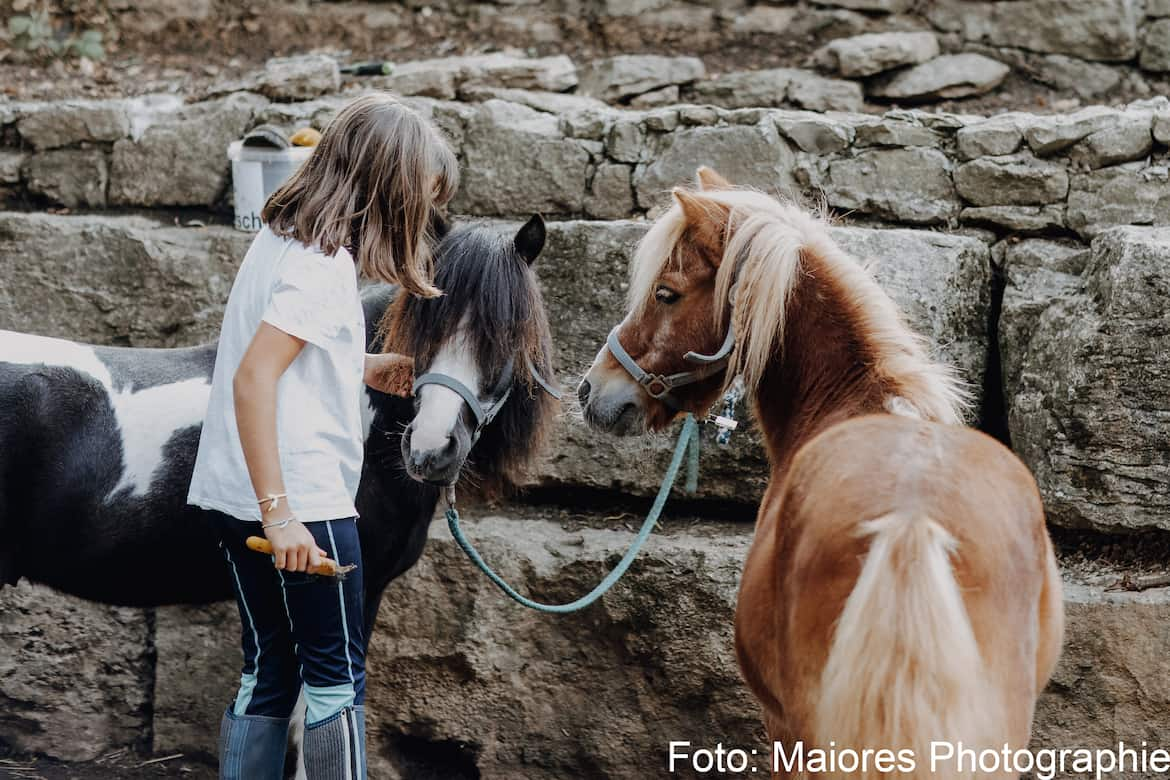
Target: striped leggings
[(297, 629)]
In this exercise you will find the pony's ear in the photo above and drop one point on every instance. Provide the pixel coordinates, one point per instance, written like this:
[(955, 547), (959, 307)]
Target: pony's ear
[(530, 238), (708, 179), (705, 218)]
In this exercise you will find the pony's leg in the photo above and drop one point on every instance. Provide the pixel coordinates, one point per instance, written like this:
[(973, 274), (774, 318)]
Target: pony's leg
[(777, 732), (296, 736), (1051, 622), (8, 573), (9, 533)]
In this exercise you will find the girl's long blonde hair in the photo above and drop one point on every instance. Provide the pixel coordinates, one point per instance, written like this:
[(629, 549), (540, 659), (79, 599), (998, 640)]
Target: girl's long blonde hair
[(372, 186)]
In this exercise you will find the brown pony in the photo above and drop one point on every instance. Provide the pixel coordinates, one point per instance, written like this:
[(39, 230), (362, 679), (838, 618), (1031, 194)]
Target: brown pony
[(901, 587)]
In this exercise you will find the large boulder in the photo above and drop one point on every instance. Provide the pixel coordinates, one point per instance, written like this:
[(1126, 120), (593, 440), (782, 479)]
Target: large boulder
[(75, 178), (629, 75), (75, 677), (748, 155), (943, 78), (1119, 195), (905, 185), (1015, 180), (55, 124), (1113, 681), (1156, 51), (516, 160), (115, 280), (1084, 354), (745, 88), (446, 76), (1089, 29), (180, 158), (196, 675), (866, 55), (298, 78)]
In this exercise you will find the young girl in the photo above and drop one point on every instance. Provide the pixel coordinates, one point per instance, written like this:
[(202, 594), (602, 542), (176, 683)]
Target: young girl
[(281, 448)]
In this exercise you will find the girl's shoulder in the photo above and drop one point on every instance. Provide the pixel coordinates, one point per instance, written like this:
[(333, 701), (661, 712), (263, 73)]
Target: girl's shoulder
[(292, 251)]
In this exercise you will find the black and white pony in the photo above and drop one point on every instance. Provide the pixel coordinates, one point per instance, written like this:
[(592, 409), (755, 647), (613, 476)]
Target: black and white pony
[(97, 444)]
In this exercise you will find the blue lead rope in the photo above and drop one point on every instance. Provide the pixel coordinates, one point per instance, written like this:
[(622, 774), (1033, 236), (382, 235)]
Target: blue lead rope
[(688, 440)]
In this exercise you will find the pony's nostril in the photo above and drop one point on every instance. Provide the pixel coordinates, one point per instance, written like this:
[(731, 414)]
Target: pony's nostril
[(583, 392)]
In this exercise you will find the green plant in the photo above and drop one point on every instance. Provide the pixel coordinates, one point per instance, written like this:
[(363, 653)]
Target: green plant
[(35, 34)]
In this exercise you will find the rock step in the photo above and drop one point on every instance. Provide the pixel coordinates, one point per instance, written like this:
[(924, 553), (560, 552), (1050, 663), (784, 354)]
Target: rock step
[(1089, 427), (515, 693), (1077, 173)]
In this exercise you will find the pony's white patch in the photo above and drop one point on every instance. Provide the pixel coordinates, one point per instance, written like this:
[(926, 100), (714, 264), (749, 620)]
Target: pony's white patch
[(22, 348), (896, 404), (146, 418), (439, 407)]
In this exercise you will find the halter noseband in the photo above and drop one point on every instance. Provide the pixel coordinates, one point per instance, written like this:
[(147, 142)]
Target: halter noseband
[(660, 386), (485, 413)]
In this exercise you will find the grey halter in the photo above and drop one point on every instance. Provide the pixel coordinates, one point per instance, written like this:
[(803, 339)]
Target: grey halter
[(659, 386), (484, 413)]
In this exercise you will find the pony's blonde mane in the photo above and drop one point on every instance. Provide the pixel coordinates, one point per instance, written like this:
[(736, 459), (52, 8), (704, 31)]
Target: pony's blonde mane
[(769, 241)]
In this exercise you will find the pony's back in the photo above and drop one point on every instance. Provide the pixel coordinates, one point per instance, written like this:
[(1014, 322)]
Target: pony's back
[(912, 576)]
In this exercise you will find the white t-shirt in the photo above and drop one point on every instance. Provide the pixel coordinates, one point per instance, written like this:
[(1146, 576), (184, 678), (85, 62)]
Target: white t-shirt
[(312, 296)]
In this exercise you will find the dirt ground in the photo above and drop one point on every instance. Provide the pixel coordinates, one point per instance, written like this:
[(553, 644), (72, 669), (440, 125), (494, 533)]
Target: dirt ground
[(122, 765), (151, 52)]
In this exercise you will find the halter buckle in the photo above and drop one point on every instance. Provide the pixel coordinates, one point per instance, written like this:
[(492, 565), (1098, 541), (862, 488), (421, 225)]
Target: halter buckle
[(655, 386)]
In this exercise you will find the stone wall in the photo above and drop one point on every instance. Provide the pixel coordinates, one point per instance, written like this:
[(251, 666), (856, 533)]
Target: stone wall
[(563, 155), (1029, 248)]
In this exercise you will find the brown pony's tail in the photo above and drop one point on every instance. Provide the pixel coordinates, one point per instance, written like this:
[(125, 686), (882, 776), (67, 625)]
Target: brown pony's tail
[(904, 668)]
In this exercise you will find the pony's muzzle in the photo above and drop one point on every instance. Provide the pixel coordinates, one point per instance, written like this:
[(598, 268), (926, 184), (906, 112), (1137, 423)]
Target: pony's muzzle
[(613, 407), (440, 464)]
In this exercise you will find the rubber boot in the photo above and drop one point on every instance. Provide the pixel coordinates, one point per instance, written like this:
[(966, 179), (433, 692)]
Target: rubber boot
[(252, 747), (335, 748)]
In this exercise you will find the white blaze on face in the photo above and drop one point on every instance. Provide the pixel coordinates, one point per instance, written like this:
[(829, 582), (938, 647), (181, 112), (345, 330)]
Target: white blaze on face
[(146, 418), (439, 407)]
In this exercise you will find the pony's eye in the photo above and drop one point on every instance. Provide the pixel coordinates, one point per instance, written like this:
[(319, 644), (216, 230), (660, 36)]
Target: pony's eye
[(666, 295)]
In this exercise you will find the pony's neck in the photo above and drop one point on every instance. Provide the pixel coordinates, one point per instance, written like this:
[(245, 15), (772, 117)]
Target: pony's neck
[(820, 378)]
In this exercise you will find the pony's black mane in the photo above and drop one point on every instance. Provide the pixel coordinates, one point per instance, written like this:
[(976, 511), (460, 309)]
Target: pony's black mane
[(491, 289)]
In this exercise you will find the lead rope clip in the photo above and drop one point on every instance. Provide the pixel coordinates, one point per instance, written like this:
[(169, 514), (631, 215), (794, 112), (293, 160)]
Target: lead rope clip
[(725, 421)]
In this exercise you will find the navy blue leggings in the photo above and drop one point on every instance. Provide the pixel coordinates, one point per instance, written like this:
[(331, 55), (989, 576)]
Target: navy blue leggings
[(297, 628)]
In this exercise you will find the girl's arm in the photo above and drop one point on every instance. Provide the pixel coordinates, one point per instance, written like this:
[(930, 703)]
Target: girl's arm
[(271, 352), (390, 373)]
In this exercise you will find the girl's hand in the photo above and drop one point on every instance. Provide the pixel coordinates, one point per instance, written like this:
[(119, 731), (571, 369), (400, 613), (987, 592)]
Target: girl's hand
[(293, 547), (390, 373)]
